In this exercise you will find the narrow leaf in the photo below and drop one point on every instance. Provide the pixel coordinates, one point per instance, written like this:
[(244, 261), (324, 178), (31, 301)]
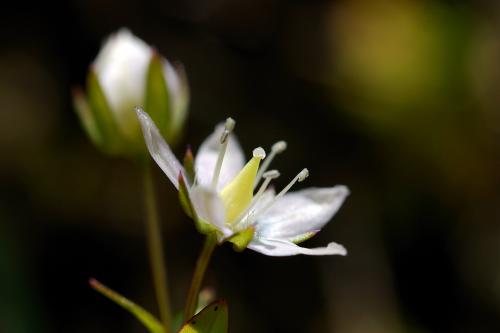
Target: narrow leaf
[(212, 319), (146, 318)]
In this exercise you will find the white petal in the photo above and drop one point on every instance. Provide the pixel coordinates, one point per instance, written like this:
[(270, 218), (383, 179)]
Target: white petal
[(280, 248), (249, 216), (264, 199), (206, 158), (209, 207), (159, 149), (121, 69), (301, 212)]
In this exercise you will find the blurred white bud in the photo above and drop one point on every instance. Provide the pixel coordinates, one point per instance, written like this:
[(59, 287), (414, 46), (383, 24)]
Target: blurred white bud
[(128, 73), (121, 68)]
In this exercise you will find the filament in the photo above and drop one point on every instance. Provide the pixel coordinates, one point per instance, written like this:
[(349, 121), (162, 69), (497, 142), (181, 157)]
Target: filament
[(277, 148), (224, 139)]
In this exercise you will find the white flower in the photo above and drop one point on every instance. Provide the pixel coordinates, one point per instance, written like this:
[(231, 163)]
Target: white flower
[(126, 74), (223, 194)]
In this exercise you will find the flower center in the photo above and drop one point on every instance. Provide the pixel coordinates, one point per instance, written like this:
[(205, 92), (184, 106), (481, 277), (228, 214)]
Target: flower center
[(240, 204)]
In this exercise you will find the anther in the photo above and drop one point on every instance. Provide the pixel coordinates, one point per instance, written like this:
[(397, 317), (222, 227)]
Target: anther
[(276, 148), (230, 123), (268, 176), (279, 147), (228, 128), (303, 175), (271, 174)]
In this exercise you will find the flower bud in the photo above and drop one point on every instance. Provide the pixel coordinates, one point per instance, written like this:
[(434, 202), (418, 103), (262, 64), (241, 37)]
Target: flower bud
[(126, 74)]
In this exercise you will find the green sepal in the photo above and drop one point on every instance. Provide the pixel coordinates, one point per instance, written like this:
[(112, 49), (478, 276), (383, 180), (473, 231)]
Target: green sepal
[(186, 203), (212, 319), (147, 319), (112, 140), (242, 239), (86, 117), (157, 99), (204, 227), (304, 237), (188, 163)]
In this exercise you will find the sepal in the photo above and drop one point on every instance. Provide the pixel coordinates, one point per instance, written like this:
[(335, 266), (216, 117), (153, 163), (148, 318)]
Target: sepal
[(204, 227), (188, 163), (241, 239), (157, 100), (184, 199), (112, 139), (302, 238)]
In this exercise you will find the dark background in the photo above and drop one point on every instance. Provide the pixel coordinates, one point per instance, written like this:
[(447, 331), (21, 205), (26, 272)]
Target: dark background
[(399, 100)]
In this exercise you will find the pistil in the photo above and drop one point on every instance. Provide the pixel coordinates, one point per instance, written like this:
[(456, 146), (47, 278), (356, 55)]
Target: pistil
[(246, 217), (238, 194)]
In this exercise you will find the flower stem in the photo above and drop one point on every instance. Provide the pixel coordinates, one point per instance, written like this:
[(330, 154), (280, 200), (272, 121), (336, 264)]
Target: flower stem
[(155, 246), (199, 273)]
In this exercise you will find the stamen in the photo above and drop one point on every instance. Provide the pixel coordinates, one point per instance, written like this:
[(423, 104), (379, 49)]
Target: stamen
[(268, 176), (273, 174), (303, 175), (299, 178), (277, 148), (228, 128)]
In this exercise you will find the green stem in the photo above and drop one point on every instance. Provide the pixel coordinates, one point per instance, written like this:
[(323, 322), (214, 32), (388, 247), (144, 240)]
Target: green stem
[(199, 273), (155, 246)]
